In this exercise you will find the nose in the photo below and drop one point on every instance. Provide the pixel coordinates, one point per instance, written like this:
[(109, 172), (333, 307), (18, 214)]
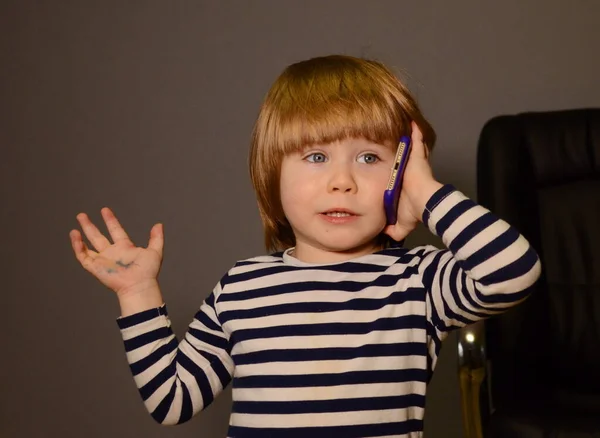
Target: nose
[(342, 179)]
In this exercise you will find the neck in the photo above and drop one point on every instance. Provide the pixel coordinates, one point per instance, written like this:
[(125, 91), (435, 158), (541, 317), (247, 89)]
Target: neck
[(311, 254)]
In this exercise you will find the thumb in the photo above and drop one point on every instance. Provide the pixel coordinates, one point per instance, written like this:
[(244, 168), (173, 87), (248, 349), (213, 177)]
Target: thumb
[(157, 239)]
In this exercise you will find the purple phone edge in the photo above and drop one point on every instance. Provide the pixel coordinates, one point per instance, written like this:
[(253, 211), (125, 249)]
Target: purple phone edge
[(390, 197)]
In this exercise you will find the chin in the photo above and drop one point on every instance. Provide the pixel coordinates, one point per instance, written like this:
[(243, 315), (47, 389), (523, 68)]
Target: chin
[(348, 245)]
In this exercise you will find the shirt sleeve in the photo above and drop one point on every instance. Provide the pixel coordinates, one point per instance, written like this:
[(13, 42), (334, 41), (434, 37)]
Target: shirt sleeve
[(488, 265), (176, 380)]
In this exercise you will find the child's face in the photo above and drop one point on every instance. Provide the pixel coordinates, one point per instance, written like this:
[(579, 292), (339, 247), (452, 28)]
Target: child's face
[(332, 195)]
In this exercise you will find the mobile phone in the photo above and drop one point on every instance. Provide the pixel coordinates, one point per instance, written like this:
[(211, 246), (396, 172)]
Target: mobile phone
[(394, 187)]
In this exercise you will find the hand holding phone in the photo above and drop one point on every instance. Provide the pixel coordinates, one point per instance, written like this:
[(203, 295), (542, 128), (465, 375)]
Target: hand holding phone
[(394, 187)]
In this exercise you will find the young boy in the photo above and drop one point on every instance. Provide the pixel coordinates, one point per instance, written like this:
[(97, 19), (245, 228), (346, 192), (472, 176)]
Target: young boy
[(337, 332)]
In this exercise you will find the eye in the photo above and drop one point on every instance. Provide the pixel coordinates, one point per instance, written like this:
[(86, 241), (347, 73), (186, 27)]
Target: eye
[(316, 157), (368, 158)]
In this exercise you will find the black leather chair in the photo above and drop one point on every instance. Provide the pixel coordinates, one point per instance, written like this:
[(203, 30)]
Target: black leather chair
[(534, 371)]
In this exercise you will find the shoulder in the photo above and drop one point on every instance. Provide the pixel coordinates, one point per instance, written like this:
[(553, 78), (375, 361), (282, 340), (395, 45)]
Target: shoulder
[(414, 255), (254, 267)]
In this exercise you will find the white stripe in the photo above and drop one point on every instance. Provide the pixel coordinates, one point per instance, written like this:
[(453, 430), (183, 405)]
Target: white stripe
[(517, 284), (205, 365), (332, 366), (331, 295), (330, 392), (283, 279), (482, 239), (174, 412), (158, 322), (154, 400), (193, 388), (461, 222), (379, 337), (508, 255), (442, 208), (326, 419), (414, 308), (145, 350)]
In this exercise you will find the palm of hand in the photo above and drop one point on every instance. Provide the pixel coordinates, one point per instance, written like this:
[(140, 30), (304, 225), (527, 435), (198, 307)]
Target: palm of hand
[(121, 266)]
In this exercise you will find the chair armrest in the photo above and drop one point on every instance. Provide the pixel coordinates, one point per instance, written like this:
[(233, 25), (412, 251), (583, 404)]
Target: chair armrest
[(472, 372)]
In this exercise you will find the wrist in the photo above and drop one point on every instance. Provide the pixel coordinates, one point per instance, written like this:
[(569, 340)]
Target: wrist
[(423, 194), (139, 297)]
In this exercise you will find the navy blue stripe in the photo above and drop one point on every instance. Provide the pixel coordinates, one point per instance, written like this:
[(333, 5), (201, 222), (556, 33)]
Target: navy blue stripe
[(216, 364), (221, 372), (497, 245), (444, 310), (146, 362), (477, 226), (162, 409), (435, 199), (186, 405), (303, 286), (138, 318), (317, 380), (332, 328), (519, 267), (209, 338), (204, 319), (334, 353), (464, 296), (360, 304), (148, 389), (254, 262), (503, 298), (452, 215), (354, 431), (428, 279), (281, 268), (437, 347), (452, 285), (147, 338), (336, 405), (435, 338), (199, 375)]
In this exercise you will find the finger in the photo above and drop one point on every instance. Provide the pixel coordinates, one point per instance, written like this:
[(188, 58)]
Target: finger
[(396, 232), (83, 254), (96, 238), (157, 239), (116, 231), (417, 135), (418, 147)]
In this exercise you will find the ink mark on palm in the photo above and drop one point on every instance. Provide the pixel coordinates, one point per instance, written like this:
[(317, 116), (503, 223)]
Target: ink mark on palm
[(119, 263), (124, 265)]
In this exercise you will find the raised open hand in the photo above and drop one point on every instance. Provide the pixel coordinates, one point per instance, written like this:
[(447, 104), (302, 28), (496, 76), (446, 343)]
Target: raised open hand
[(121, 266)]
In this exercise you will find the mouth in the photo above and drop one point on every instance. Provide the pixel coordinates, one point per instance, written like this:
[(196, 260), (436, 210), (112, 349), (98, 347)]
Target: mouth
[(339, 213)]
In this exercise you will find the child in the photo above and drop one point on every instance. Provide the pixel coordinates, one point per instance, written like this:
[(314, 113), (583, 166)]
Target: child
[(337, 332)]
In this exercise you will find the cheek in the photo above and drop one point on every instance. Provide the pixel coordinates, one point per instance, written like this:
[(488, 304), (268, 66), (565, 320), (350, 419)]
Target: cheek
[(376, 182), (295, 190), (294, 194)]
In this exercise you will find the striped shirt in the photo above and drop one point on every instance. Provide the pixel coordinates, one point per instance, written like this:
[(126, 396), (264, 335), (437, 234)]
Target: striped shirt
[(332, 350)]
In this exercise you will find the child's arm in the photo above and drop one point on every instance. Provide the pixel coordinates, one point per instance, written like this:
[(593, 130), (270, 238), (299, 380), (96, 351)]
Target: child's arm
[(488, 265), (487, 268), (176, 380)]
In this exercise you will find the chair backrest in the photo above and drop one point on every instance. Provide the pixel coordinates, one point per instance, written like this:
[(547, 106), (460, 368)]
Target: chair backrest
[(541, 172)]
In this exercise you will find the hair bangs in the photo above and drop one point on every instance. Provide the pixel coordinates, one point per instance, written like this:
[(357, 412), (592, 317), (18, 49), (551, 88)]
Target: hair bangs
[(335, 104)]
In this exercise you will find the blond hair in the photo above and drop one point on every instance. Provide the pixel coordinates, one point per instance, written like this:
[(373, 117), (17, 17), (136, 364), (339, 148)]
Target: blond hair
[(323, 100)]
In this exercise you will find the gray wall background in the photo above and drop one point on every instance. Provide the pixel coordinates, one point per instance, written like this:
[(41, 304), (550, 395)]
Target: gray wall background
[(147, 107)]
